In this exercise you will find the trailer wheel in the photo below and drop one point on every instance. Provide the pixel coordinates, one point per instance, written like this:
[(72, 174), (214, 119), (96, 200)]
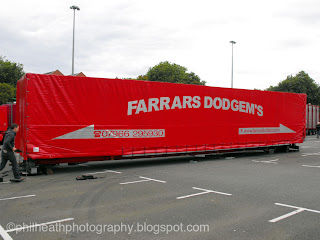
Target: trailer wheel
[(46, 169), (283, 149), (294, 147), (269, 150)]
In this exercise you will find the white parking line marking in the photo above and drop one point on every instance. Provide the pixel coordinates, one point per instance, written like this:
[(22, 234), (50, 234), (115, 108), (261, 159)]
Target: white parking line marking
[(104, 172), (84, 165), (286, 215), (267, 161), (191, 195), (145, 179), (114, 171), (3, 199), (310, 166), (151, 179), (4, 234), (204, 192), (135, 182), (228, 194), (310, 154), (299, 209), (4, 182), (37, 225)]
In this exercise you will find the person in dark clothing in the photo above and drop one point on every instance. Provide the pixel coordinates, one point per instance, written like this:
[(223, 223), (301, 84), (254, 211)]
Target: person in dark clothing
[(7, 152), (318, 129)]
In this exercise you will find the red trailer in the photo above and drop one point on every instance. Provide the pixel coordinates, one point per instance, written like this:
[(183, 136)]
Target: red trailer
[(11, 112), (312, 118), (3, 121), (81, 119)]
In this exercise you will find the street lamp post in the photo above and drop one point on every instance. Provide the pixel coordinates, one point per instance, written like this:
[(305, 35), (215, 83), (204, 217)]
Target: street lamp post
[(232, 42), (74, 8)]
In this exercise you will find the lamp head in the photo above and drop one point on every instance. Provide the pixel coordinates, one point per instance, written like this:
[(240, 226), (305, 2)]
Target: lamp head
[(74, 7)]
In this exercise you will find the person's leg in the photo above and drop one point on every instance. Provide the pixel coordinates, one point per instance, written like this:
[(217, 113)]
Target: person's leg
[(12, 159), (4, 160)]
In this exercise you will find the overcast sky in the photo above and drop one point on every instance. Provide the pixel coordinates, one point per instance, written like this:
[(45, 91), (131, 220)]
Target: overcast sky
[(124, 38)]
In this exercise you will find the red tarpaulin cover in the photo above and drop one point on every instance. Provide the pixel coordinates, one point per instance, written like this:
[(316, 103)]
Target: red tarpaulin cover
[(68, 117)]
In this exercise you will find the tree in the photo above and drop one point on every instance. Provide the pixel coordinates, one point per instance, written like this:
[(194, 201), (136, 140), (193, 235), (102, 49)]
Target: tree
[(173, 73), (10, 72), (301, 83), (142, 77), (7, 92)]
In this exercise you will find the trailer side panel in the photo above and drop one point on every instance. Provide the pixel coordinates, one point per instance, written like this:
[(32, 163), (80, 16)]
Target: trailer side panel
[(77, 117)]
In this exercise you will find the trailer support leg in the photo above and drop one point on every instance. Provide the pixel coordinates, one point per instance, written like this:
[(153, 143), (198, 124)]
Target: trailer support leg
[(28, 167)]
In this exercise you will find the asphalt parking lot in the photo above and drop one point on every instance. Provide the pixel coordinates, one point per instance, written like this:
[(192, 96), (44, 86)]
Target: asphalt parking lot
[(250, 196)]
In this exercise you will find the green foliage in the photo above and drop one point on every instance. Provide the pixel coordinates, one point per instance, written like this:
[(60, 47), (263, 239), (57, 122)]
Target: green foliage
[(10, 72), (301, 83), (7, 93), (142, 77), (173, 73)]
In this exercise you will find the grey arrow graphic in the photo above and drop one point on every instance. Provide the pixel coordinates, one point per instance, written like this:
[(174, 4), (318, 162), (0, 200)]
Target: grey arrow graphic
[(274, 130), (83, 133)]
